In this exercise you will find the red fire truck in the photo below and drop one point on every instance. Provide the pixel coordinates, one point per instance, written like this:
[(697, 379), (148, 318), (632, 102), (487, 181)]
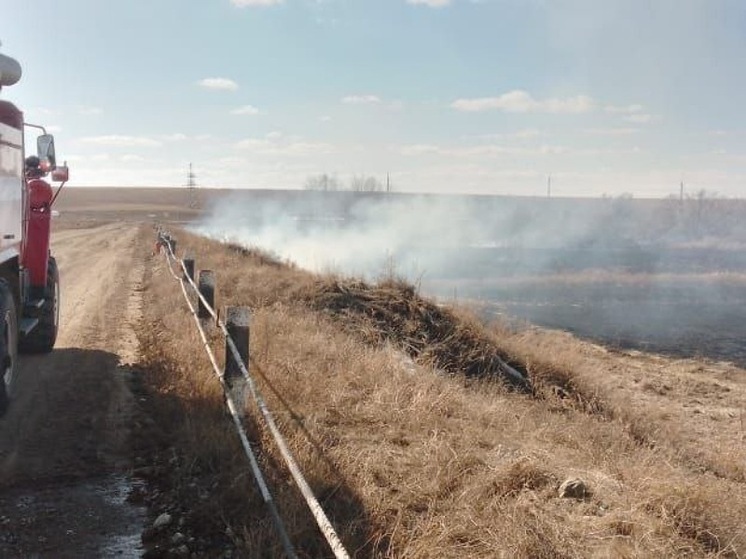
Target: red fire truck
[(29, 280)]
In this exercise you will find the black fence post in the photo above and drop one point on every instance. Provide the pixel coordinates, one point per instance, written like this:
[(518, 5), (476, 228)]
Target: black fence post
[(237, 322), (189, 267), (206, 286)]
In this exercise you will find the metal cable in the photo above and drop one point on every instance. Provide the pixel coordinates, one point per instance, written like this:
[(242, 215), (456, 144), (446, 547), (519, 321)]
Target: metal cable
[(236, 416), (313, 504)]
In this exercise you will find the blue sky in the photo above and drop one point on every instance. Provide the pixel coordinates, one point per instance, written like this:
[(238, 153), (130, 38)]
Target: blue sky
[(472, 96)]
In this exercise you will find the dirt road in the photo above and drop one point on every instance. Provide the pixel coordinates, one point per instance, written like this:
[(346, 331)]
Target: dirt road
[(64, 451)]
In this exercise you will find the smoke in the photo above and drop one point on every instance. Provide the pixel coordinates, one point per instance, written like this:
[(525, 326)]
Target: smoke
[(365, 234), (653, 274), (480, 237), (348, 233)]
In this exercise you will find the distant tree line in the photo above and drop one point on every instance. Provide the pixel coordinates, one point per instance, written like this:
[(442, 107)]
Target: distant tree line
[(358, 183), (695, 216)]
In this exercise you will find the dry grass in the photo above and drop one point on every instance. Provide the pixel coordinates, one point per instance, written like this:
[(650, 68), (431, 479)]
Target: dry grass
[(392, 312), (412, 463)]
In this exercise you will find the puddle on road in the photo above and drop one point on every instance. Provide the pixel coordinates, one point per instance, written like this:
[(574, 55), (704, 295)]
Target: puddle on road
[(91, 519), (127, 543)]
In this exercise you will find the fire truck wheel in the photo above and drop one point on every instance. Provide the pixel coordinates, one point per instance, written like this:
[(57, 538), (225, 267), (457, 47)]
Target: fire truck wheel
[(42, 338), (8, 345)]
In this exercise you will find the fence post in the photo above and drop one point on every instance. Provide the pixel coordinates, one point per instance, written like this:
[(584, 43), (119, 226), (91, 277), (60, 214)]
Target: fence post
[(161, 241), (206, 286), (189, 266), (237, 322)]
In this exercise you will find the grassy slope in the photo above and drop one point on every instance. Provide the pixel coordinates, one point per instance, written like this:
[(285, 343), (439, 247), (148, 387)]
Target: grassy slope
[(410, 462)]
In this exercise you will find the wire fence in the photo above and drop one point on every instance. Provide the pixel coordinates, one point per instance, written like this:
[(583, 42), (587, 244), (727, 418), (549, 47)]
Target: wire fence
[(235, 396)]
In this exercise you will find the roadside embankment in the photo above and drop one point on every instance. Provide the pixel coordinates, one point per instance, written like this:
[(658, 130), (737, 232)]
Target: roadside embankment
[(603, 456)]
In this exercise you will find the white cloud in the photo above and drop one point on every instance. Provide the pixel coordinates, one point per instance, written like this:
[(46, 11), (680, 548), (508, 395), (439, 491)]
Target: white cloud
[(181, 137), (419, 149), (245, 3), (361, 99), (632, 113), (519, 101), (525, 134), (176, 137), (273, 145), (300, 149), (528, 133), (627, 109), (430, 3), (641, 118), (325, 118), (487, 150), (116, 140), (612, 131), (218, 84), (232, 162), (246, 110), (132, 158), (496, 150)]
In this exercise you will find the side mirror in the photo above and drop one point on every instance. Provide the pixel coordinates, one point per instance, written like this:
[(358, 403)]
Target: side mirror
[(45, 149), (60, 174)]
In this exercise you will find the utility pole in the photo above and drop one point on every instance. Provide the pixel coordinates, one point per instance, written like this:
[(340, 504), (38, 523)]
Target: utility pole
[(192, 187), (388, 182), (549, 186)]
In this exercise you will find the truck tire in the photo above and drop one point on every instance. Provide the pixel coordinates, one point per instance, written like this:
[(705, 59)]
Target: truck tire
[(42, 338), (8, 346)]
